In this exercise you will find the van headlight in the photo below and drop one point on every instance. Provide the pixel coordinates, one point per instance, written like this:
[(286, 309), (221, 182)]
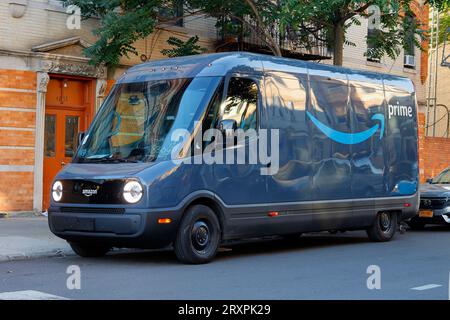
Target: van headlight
[(132, 192), (57, 191)]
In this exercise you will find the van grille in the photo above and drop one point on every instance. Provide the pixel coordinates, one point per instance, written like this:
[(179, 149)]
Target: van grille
[(92, 210), (433, 203)]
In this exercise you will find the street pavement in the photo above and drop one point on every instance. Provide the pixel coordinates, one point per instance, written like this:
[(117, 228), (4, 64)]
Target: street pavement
[(414, 265), (29, 237)]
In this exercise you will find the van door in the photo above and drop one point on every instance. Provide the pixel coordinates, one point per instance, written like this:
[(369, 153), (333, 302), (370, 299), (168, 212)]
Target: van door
[(331, 134), (241, 186), (290, 187)]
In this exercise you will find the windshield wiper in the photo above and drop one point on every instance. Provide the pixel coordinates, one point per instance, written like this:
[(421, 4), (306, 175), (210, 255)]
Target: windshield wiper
[(111, 160)]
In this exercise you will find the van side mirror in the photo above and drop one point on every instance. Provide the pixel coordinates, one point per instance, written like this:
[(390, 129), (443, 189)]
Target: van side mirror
[(429, 180), (227, 125), (228, 128), (81, 136)]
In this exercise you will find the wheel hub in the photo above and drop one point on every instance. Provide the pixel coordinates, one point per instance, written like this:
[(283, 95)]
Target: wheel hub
[(200, 235), (385, 221)]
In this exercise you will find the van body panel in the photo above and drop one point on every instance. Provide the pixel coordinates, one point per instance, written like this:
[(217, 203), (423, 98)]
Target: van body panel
[(325, 181)]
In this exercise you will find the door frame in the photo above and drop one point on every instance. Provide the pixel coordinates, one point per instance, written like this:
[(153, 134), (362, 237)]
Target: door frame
[(89, 112)]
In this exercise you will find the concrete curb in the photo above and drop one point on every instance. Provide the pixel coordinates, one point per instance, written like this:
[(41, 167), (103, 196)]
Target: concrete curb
[(29, 256), (24, 214)]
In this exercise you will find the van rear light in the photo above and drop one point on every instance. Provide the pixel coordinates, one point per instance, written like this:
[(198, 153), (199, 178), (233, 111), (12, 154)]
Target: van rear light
[(273, 214), (407, 205)]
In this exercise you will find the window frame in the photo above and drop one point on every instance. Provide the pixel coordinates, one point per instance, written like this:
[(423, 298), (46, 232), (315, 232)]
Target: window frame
[(257, 80)]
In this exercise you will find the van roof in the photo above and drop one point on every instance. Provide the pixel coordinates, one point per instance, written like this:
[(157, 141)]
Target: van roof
[(220, 64)]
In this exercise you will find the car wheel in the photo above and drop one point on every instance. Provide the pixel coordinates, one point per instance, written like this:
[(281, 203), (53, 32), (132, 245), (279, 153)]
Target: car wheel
[(416, 224), (87, 250), (384, 227), (198, 236)]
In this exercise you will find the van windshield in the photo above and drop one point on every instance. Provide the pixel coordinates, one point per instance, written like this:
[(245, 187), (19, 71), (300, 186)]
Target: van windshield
[(136, 122)]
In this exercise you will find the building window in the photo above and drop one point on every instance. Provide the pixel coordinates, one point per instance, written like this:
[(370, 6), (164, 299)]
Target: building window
[(373, 26), (409, 49), (173, 13)]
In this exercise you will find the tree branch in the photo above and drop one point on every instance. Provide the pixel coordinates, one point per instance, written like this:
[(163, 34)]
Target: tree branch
[(357, 11), (275, 45), (258, 34)]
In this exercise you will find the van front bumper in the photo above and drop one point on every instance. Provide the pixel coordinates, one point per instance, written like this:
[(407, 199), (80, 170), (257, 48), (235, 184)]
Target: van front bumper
[(128, 229)]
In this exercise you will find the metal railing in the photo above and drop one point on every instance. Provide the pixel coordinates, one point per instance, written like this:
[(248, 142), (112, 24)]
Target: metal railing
[(293, 43)]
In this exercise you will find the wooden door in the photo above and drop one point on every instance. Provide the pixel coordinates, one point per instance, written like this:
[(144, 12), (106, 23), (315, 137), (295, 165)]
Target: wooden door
[(68, 111)]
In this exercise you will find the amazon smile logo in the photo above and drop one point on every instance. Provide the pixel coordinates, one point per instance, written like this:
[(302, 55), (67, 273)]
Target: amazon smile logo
[(350, 138)]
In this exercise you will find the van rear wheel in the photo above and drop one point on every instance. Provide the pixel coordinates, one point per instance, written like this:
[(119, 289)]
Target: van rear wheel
[(384, 227), (87, 250), (198, 236)]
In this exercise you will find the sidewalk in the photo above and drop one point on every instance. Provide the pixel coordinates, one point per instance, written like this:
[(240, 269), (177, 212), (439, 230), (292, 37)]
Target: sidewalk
[(29, 237)]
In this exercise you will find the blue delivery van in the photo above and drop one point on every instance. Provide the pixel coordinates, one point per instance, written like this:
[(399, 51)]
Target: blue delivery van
[(340, 153)]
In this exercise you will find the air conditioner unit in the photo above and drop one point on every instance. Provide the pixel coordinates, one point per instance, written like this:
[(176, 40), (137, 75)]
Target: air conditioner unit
[(410, 61)]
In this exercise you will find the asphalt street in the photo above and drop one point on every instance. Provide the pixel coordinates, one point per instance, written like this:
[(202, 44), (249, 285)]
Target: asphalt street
[(415, 265)]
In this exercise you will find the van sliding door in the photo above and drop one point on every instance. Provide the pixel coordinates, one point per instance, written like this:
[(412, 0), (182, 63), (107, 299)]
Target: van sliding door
[(330, 129)]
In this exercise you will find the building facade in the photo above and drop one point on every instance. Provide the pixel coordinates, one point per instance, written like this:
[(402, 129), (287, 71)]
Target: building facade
[(49, 91)]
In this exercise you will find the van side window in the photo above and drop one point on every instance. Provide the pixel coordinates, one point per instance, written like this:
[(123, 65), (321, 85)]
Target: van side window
[(287, 99), (329, 99), (240, 105)]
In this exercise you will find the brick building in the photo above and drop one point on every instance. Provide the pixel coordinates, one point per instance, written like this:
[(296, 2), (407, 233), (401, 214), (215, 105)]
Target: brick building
[(49, 91)]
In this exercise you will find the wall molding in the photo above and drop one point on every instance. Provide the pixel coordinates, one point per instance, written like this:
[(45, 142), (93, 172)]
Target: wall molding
[(15, 168)]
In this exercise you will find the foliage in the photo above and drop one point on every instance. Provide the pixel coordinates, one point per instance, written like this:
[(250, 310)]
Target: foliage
[(123, 22), (394, 30), (183, 48)]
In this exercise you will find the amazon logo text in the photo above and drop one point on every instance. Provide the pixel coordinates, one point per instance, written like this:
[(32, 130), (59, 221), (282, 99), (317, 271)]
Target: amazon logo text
[(400, 111)]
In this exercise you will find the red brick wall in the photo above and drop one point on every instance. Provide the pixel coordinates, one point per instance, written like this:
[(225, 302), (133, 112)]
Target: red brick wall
[(422, 15), (436, 156), (17, 117), (434, 153), (16, 191)]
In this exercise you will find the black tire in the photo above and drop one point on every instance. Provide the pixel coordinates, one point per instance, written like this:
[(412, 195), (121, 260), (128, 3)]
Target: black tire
[(86, 250), (416, 224), (384, 227), (198, 236)]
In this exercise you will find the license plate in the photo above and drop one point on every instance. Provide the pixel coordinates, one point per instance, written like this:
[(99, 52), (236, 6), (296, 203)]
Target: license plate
[(426, 214), (79, 224)]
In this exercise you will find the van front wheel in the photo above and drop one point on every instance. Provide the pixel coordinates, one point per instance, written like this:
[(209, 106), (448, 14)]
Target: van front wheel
[(384, 227), (198, 236)]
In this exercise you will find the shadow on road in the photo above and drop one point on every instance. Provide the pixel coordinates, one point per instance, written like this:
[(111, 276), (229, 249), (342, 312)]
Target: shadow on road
[(434, 228), (252, 247)]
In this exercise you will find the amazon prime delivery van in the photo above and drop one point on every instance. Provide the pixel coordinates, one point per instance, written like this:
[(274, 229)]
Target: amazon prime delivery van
[(199, 150)]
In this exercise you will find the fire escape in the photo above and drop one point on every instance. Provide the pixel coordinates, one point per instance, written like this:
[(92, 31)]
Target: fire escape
[(293, 44), (437, 114)]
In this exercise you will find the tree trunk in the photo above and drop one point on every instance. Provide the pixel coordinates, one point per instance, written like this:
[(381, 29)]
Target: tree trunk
[(338, 41), (276, 49)]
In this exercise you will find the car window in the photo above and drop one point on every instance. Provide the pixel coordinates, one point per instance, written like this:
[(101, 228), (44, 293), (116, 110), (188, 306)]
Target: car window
[(443, 177), (240, 105)]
